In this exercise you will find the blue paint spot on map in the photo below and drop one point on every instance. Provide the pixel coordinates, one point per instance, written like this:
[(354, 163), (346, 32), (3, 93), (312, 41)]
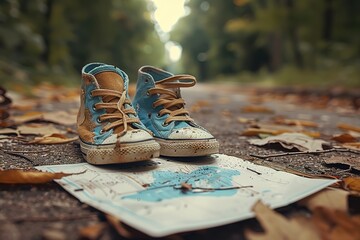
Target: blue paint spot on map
[(165, 183)]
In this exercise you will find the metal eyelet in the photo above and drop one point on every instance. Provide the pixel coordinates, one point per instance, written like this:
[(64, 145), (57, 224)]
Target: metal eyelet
[(94, 108), (165, 124), (158, 115), (102, 131), (98, 120), (147, 93), (146, 80)]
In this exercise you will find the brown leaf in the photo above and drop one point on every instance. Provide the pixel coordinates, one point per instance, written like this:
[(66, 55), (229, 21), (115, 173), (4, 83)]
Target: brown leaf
[(39, 129), (199, 105), (25, 104), (60, 117), (54, 138), (28, 177), (349, 162), (27, 117), (292, 141), (256, 109), (257, 131), (334, 224), (297, 122), (332, 198), (278, 227), (352, 183), (123, 230), (354, 145), (226, 113), (92, 232), (345, 126), (344, 138), (9, 131), (246, 120)]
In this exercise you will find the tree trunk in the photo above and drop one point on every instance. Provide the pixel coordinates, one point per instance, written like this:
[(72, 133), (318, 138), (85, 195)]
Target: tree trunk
[(294, 39), (47, 31)]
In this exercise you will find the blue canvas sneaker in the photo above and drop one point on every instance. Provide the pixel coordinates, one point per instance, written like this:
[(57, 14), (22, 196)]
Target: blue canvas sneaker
[(108, 127), (162, 110)]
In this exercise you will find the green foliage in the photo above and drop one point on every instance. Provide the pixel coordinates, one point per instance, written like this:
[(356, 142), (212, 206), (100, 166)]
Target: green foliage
[(241, 36), (50, 40)]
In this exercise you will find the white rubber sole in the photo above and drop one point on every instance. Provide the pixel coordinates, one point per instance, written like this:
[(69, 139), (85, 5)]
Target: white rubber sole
[(188, 148), (125, 153)]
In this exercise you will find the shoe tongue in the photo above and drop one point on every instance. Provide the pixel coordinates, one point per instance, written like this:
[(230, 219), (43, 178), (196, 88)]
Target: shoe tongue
[(110, 80)]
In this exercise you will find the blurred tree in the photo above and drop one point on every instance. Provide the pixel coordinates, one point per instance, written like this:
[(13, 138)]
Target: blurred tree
[(249, 35), (52, 39)]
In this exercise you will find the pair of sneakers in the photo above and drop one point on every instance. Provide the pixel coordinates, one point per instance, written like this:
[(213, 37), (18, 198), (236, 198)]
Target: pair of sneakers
[(112, 129)]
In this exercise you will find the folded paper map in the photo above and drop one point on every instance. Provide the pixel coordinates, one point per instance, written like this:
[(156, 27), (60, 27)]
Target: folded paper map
[(165, 196)]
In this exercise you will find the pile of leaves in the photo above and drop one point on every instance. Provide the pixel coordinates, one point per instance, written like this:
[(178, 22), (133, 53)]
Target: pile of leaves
[(20, 118)]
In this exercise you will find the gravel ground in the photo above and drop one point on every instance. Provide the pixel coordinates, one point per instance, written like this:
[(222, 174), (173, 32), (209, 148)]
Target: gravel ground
[(48, 212)]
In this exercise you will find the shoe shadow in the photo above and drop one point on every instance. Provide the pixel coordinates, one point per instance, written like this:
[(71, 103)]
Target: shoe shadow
[(193, 160)]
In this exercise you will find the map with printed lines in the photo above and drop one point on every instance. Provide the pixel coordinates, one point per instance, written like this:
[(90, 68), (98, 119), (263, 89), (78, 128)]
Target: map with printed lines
[(164, 196)]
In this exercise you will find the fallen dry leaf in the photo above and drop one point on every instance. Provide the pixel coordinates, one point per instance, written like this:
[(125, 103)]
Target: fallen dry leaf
[(278, 227), (292, 141), (354, 145), (60, 117), (348, 127), (256, 109), (246, 120), (199, 105), (9, 131), (257, 131), (335, 225), (18, 176), (54, 138), (121, 229), (349, 162), (352, 183), (93, 231), (223, 100), (226, 113), (25, 104), (296, 122), (27, 117), (344, 138), (39, 129), (332, 198)]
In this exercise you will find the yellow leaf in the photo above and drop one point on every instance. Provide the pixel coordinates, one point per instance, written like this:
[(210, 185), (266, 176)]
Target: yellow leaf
[(352, 183), (28, 177), (55, 138)]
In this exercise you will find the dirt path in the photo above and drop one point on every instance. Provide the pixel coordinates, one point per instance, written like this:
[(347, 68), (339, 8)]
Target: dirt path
[(48, 212)]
